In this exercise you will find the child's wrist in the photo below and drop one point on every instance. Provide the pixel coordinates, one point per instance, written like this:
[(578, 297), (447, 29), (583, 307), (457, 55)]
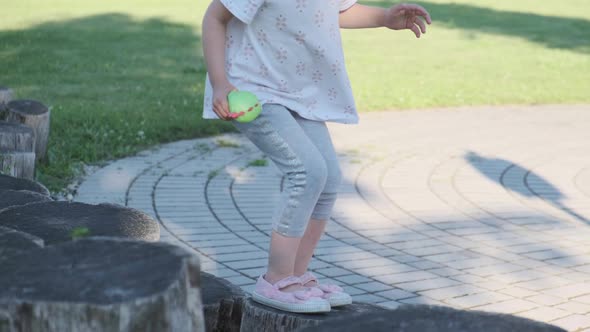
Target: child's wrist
[(382, 17)]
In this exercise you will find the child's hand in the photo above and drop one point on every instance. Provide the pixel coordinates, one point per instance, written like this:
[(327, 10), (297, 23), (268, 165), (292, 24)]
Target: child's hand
[(407, 16), (220, 104)]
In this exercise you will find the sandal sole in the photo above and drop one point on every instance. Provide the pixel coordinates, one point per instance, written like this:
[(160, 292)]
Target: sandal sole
[(292, 307)]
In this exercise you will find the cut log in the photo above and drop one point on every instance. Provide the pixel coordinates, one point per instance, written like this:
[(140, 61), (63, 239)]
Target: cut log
[(10, 198), (13, 242), (16, 137), (261, 318), (10, 182), (426, 318), (18, 164), (222, 304), (35, 115), (102, 284), (54, 221), (17, 150)]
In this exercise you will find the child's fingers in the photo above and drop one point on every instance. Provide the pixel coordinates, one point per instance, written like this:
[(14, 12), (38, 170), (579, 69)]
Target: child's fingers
[(422, 12), (221, 109), (416, 30), (421, 24)]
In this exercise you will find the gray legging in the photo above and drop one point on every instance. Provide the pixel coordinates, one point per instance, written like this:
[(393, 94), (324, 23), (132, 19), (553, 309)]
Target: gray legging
[(302, 149)]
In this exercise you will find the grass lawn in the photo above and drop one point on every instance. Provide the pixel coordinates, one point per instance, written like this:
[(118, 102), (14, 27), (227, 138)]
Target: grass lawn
[(121, 76)]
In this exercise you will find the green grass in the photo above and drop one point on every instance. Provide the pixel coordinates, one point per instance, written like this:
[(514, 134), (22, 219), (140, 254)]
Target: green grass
[(121, 76), (258, 162)]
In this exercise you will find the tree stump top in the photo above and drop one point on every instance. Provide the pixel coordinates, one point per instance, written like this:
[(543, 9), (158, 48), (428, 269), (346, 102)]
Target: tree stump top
[(214, 289), (262, 318), (426, 318), (100, 270), (9, 198), (10, 182), (27, 107), (13, 242), (54, 221)]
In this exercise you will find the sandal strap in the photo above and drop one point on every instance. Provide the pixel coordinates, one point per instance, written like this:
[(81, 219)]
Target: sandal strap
[(307, 277), (290, 280)]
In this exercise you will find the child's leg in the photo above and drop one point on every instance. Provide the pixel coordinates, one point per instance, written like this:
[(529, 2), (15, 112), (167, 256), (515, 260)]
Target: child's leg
[(318, 132), (276, 133)]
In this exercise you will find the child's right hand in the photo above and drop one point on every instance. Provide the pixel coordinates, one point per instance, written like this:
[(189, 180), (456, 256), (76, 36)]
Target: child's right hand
[(220, 104)]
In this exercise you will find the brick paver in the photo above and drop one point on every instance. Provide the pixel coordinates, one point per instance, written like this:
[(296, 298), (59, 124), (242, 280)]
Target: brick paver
[(482, 208)]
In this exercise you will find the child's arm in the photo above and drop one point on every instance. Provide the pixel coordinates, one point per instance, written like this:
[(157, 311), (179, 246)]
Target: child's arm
[(214, 27), (398, 17)]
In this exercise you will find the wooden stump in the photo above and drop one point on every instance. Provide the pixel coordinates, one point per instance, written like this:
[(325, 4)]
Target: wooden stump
[(9, 198), (16, 137), (35, 115), (102, 284), (54, 221), (260, 318), (17, 150), (222, 304), (5, 97), (11, 183), (14, 242), (425, 318), (18, 164)]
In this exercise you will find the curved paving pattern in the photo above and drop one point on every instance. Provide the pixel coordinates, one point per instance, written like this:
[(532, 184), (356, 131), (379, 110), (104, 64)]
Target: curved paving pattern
[(485, 208)]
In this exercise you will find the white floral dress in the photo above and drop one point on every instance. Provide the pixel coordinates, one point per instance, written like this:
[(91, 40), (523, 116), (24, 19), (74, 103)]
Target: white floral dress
[(289, 52)]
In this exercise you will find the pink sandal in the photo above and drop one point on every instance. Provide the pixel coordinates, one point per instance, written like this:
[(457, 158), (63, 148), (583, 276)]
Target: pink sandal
[(307, 301), (333, 293)]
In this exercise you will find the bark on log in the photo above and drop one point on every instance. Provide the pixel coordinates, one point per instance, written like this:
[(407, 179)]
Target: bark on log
[(222, 304), (16, 137), (18, 164), (35, 115), (102, 284), (17, 150), (426, 318), (10, 198), (260, 318), (54, 221), (14, 242), (10, 182)]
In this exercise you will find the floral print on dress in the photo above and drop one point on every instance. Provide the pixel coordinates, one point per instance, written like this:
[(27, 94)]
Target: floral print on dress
[(281, 22), (300, 69), (248, 51), (300, 37), (333, 31), (281, 54), (252, 7), (289, 52), (263, 71), (335, 67), (332, 93), (301, 5), (261, 37), (319, 18), (229, 41), (319, 52), (316, 76), (283, 86)]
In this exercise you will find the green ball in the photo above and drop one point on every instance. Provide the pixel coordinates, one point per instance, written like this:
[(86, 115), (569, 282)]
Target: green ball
[(244, 104)]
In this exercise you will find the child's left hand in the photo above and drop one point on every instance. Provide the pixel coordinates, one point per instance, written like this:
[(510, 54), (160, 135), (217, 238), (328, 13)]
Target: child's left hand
[(407, 16)]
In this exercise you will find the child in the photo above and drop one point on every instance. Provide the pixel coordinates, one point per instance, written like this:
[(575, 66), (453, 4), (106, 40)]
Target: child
[(289, 54)]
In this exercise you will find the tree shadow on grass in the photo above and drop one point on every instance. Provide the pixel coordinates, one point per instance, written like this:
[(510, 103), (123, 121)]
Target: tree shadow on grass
[(116, 85), (551, 31)]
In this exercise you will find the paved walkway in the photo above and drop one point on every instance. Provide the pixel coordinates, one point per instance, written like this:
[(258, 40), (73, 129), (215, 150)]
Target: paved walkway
[(485, 208)]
